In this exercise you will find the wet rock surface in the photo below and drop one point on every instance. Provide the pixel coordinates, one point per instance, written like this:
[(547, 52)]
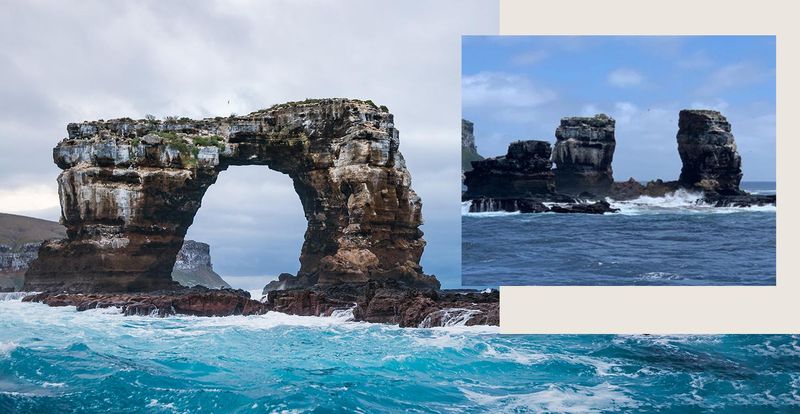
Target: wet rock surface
[(375, 301), (583, 154), (130, 189)]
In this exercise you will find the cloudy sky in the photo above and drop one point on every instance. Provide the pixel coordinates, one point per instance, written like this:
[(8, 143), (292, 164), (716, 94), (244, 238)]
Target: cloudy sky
[(519, 87), (64, 62)]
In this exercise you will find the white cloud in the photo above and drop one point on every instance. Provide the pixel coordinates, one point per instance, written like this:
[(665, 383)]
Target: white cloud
[(28, 198), (502, 90), (530, 57), (733, 76), (191, 58), (624, 77)]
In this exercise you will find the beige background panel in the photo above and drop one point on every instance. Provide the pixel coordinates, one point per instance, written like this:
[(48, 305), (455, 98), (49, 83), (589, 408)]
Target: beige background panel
[(673, 309)]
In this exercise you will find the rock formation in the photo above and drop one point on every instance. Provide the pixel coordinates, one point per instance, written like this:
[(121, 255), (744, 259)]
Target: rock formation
[(708, 152), (583, 154), (386, 301), (526, 170), (130, 190), (14, 262), (193, 266), (469, 152)]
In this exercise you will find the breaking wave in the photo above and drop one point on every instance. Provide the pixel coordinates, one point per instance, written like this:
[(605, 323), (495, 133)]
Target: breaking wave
[(681, 201), (101, 361)]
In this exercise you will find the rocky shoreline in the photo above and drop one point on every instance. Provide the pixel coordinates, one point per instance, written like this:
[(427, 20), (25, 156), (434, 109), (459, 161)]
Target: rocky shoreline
[(525, 179), (374, 301)]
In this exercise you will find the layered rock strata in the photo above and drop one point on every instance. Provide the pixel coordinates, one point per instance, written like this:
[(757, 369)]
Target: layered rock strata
[(130, 189), (14, 262), (583, 154), (525, 171), (386, 301), (708, 151)]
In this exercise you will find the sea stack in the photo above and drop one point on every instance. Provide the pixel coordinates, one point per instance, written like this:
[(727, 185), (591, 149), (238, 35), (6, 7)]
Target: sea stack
[(525, 171), (707, 148), (583, 154)]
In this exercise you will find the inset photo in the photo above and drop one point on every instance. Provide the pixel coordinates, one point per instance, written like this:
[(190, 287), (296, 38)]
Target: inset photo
[(618, 160)]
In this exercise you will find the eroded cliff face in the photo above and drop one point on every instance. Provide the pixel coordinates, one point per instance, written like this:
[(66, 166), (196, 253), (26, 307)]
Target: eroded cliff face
[(526, 170), (583, 154), (708, 152), (130, 190), (193, 266), (14, 262)]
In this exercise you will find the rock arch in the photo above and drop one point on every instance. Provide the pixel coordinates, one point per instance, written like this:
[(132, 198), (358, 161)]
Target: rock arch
[(130, 189)]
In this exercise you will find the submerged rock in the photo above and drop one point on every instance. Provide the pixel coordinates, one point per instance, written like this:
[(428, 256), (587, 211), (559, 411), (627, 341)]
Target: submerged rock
[(583, 154), (707, 149), (526, 170), (130, 190)]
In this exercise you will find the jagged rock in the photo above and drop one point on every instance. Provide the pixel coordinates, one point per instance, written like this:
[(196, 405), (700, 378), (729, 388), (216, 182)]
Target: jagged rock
[(708, 152), (526, 170), (14, 262), (598, 207), (389, 302), (631, 189), (193, 266), (385, 301), (197, 301), (130, 190), (469, 152), (523, 205), (583, 154)]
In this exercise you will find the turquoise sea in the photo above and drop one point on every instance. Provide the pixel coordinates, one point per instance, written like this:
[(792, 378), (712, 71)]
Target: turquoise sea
[(58, 360)]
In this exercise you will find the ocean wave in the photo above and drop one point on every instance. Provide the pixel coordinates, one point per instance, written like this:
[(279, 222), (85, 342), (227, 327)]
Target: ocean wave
[(465, 206), (680, 201), (603, 397)]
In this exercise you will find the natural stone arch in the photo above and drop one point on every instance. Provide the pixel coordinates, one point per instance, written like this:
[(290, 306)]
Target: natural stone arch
[(130, 190)]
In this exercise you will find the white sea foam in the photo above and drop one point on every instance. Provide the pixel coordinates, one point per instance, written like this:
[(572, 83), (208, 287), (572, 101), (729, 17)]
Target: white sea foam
[(559, 399), (465, 205), (510, 354), (7, 347), (680, 201)]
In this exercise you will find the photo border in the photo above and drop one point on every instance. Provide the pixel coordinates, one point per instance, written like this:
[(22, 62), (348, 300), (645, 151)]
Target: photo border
[(671, 309)]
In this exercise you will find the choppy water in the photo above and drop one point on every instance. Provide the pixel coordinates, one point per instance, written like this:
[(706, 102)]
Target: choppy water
[(56, 360), (651, 241)]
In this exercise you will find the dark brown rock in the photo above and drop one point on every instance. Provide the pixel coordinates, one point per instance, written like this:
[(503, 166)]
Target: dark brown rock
[(386, 301), (130, 190), (526, 170), (583, 154), (197, 301), (708, 152)]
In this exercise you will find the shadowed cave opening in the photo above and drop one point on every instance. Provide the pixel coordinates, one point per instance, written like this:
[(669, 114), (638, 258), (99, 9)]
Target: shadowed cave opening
[(254, 222)]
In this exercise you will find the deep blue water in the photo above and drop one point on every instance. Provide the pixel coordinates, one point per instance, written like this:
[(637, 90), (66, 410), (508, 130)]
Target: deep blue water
[(651, 241), (57, 360)]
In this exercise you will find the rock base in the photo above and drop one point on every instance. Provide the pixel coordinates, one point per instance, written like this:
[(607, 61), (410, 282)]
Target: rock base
[(375, 301)]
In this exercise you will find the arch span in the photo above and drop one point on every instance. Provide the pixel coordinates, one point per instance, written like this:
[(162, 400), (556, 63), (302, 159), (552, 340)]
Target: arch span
[(130, 189)]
